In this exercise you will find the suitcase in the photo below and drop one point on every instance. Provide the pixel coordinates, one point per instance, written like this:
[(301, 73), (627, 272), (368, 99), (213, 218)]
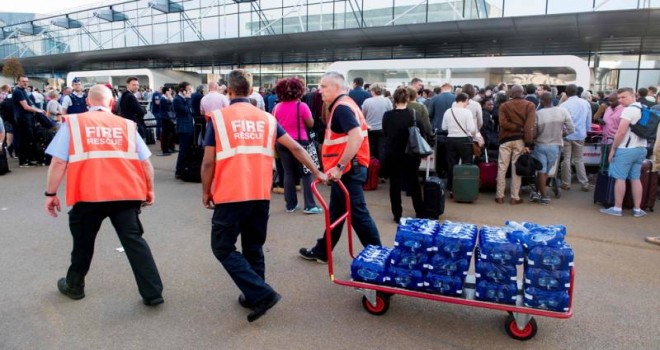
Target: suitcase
[(192, 162), (487, 175), (434, 195), (466, 183), (604, 190), (649, 181), (151, 136), (372, 175)]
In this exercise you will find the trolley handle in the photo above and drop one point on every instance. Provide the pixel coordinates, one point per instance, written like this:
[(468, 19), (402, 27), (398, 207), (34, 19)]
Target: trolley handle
[(329, 226)]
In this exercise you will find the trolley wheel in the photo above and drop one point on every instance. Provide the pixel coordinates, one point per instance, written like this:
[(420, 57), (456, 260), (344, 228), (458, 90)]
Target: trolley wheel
[(526, 334), (382, 304)]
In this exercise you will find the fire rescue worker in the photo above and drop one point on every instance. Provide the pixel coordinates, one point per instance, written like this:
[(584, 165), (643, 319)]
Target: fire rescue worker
[(108, 175), (345, 156), (237, 175)]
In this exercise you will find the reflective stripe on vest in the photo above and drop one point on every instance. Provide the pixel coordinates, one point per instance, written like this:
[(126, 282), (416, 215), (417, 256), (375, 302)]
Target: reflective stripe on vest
[(78, 151), (245, 140), (334, 144), (103, 162)]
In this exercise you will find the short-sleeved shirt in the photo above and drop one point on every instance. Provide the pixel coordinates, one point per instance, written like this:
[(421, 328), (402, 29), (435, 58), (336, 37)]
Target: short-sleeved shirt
[(290, 119), (633, 114), (59, 147), (17, 96), (212, 101), (209, 138), (67, 102), (343, 120)]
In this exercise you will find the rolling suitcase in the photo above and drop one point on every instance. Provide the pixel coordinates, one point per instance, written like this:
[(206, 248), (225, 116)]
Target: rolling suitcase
[(649, 181), (487, 175), (192, 162), (466, 183), (4, 165), (434, 195), (604, 190), (372, 175)]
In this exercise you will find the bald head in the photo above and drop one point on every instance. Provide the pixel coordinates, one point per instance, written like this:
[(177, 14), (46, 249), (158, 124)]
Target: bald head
[(99, 95), (213, 86), (517, 91)]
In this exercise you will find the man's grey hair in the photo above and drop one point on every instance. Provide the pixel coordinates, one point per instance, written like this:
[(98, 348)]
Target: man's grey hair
[(337, 78)]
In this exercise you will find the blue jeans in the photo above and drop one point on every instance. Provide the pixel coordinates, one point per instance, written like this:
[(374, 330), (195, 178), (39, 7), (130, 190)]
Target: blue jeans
[(364, 226), (185, 141), (292, 169), (247, 268)]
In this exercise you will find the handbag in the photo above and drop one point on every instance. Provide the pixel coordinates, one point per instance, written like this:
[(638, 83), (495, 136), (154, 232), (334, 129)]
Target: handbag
[(311, 147), (417, 145), (476, 148)]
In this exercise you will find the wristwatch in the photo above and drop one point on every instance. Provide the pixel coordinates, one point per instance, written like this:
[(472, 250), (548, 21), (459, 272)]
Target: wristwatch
[(50, 194), (341, 167)]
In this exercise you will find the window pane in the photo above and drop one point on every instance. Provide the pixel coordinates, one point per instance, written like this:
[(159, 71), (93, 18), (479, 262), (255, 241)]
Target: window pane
[(561, 6), (409, 11), (649, 78), (211, 28), (608, 5), (442, 10), (524, 7), (377, 13), (628, 78)]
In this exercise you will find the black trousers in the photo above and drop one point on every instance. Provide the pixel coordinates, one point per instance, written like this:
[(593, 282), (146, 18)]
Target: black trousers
[(85, 220), (167, 136), (404, 171), (25, 138)]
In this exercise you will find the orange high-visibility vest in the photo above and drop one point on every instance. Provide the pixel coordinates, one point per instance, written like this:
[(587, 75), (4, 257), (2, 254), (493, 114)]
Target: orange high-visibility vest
[(334, 144), (244, 149), (103, 159)]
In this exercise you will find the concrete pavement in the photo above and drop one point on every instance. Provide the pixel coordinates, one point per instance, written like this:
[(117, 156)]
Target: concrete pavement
[(616, 303)]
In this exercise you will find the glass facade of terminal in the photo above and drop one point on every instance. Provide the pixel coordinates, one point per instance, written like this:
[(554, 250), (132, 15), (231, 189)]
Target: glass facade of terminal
[(125, 24)]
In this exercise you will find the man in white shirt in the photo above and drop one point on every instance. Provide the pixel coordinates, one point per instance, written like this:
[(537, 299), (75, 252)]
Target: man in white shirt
[(213, 100), (626, 156), (373, 109), (257, 97)]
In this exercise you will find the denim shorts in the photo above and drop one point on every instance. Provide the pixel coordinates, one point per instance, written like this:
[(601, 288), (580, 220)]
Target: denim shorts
[(547, 155), (627, 163)]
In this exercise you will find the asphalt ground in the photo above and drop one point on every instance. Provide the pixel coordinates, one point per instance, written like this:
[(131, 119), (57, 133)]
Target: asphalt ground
[(616, 303)]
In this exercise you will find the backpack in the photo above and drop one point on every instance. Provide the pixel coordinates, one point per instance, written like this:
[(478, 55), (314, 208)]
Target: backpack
[(647, 126), (526, 165)]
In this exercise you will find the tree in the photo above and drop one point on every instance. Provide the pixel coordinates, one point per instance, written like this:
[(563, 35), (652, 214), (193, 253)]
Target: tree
[(12, 68)]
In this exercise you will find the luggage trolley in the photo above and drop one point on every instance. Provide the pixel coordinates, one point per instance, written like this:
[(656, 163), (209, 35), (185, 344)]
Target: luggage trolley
[(519, 324)]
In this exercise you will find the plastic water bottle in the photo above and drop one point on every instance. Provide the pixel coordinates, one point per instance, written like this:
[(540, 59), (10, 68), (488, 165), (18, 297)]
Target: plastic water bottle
[(441, 265), (488, 271), (547, 300), (408, 259), (405, 278), (551, 258), (543, 279), (416, 234), (497, 292), (442, 284), (371, 264)]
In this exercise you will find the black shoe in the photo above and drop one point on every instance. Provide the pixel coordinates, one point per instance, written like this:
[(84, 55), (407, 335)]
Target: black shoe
[(261, 308), (397, 220), (153, 302), (309, 254), (244, 303), (72, 291)]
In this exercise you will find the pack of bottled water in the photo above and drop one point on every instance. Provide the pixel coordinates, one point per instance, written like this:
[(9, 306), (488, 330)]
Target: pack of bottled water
[(413, 260), (495, 267), (503, 293), (403, 277), (455, 240), (548, 264), (442, 265), (496, 246), (416, 235), (371, 265), (443, 284), (547, 300)]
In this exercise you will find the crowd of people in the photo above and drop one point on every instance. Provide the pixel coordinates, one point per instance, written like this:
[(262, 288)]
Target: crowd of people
[(347, 127)]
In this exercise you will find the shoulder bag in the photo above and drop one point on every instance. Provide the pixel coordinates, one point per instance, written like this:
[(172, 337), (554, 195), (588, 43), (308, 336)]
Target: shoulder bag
[(311, 147), (476, 148), (417, 146)]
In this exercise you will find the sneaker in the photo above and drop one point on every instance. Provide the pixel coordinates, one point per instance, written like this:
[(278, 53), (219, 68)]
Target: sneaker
[(535, 197), (263, 306), (26, 165), (313, 210), (565, 187), (294, 209), (586, 188), (612, 211), (278, 190), (638, 213), (653, 240), (309, 254), (545, 200)]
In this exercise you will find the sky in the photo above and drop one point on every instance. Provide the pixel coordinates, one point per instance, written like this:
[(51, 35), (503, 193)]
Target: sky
[(43, 6)]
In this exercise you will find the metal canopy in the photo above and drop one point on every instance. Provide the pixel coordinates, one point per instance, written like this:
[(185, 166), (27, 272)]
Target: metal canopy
[(66, 23), (630, 31), (166, 6), (30, 29), (110, 15)]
